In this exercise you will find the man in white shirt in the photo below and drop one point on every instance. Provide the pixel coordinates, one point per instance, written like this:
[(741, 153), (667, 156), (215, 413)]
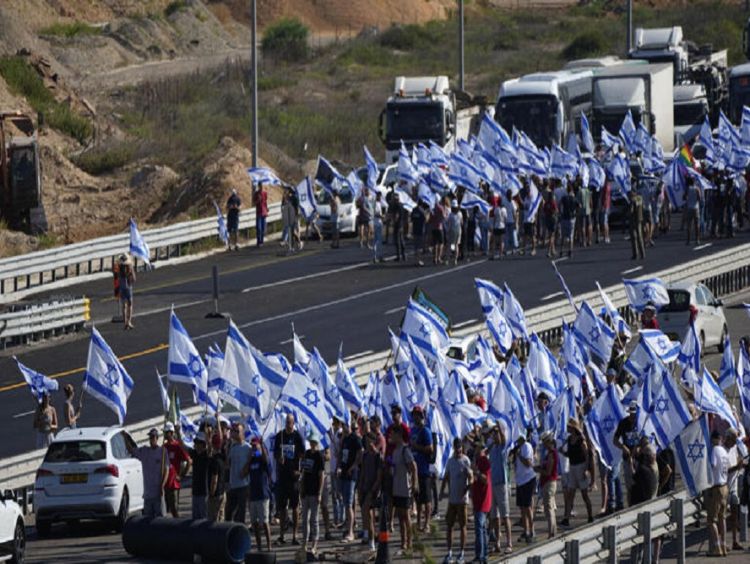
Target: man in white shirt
[(525, 485), (716, 497), (737, 452)]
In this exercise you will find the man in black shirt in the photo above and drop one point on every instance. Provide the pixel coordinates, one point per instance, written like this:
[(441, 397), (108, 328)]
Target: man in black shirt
[(313, 467), (288, 451), (418, 222), (396, 213), (199, 456), (351, 451), (215, 480), (626, 439)]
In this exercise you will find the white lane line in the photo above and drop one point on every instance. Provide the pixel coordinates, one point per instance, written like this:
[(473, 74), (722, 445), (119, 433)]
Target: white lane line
[(632, 270), (395, 309), (550, 296), (306, 277), (703, 246), (560, 259), (24, 414), (300, 337), (359, 354), (347, 299), (464, 324)]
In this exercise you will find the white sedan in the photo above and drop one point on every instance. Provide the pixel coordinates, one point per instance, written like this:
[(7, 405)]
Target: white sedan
[(88, 473), (689, 301), (12, 530)]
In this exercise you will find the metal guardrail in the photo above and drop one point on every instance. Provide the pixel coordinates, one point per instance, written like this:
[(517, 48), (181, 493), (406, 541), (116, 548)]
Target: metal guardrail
[(97, 256), (26, 322)]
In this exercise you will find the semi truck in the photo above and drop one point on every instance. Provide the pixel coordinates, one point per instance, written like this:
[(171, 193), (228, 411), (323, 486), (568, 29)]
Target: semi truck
[(547, 106), (20, 173), (739, 91), (646, 90), (690, 111), (425, 108)]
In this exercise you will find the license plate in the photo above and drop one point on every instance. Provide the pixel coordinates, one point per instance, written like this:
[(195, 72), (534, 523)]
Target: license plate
[(74, 478)]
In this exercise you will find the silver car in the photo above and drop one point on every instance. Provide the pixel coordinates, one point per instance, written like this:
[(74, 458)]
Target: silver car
[(689, 301)]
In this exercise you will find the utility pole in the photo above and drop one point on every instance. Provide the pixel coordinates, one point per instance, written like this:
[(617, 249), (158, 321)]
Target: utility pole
[(254, 71), (629, 39), (461, 44)]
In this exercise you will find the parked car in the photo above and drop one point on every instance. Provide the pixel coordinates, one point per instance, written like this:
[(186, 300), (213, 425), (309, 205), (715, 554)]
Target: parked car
[(689, 301), (12, 529), (88, 473)]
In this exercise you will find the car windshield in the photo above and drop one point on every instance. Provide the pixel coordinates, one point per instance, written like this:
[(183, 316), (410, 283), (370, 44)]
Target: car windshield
[(324, 197), (679, 300), (689, 114), (414, 122), (75, 451), (534, 115)]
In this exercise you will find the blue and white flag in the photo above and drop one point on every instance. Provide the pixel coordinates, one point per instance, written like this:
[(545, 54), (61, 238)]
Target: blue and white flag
[(743, 381), (39, 384), (373, 172), (425, 330), (640, 358), (262, 175), (328, 177), (471, 200), (106, 378), (574, 361), (407, 172), (594, 333), (238, 384), (601, 423), (390, 395), (621, 326), (728, 371), (307, 400), (301, 355), (221, 225), (586, 139), (609, 141), (499, 329), (269, 377), (506, 404), (351, 393), (214, 361), (162, 392), (674, 179), (566, 290), (627, 132), (706, 138), (745, 126), (306, 198), (669, 412), (464, 172), (489, 294), (443, 430), (692, 450), (660, 345), (710, 398), (318, 371), (562, 163), (641, 293), (184, 363), (437, 155), (690, 356), (532, 203), (138, 246), (642, 141), (514, 314), (541, 367), (597, 176), (188, 431), (492, 137), (618, 170)]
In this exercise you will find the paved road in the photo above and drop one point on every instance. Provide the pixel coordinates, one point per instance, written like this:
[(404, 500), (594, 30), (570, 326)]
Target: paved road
[(328, 295)]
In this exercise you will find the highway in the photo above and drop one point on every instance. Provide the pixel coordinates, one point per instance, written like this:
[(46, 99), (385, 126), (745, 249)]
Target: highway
[(329, 296)]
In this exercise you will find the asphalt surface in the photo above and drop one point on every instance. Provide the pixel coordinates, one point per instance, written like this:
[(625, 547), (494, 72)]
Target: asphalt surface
[(329, 295)]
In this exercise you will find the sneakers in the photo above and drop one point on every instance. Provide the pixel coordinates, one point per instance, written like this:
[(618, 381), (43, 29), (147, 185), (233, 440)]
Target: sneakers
[(448, 558), (460, 559)]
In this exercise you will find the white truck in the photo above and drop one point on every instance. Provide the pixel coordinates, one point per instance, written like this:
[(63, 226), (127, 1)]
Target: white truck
[(423, 109), (690, 111), (547, 106), (646, 90)]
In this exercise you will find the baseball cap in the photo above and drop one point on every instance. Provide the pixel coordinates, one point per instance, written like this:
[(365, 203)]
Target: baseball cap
[(168, 426)]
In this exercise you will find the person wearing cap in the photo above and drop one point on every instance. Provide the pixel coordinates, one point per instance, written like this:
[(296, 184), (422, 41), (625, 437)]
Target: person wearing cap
[(580, 476), (153, 460), (200, 456), (500, 478), (125, 282), (423, 448), (404, 485), (259, 492), (481, 499), (548, 480), (351, 452), (626, 438), (179, 466), (453, 229), (288, 450), (648, 317), (458, 479), (523, 454), (233, 219), (313, 467)]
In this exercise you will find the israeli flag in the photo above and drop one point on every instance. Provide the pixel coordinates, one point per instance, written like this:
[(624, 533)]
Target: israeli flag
[(562, 409), (328, 177), (238, 385), (185, 365), (472, 200), (423, 377), (618, 170), (566, 290), (690, 356), (318, 370), (642, 141), (489, 294), (674, 180), (506, 404), (306, 197), (727, 133), (594, 333), (221, 225), (262, 175), (269, 377), (540, 365), (706, 138), (443, 430), (609, 309), (162, 392), (743, 380), (492, 137), (350, 392), (499, 329), (524, 383), (188, 431), (669, 412), (597, 176), (437, 155), (710, 398), (513, 312), (407, 386), (301, 356), (407, 173), (532, 203), (463, 172), (660, 345), (39, 384), (390, 395), (425, 193), (586, 139), (425, 330), (562, 163), (654, 163), (640, 358), (601, 423), (627, 132), (727, 372), (373, 172), (692, 450), (405, 198), (106, 378), (138, 246), (307, 399), (214, 361), (641, 293)]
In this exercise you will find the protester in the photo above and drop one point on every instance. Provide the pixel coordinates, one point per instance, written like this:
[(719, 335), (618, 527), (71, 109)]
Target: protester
[(153, 461), (648, 317), (458, 479), (423, 448), (500, 478), (238, 456), (351, 452), (313, 471), (568, 212), (45, 422), (259, 493), (125, 281), (377, 228), (436, 223), (405, 484), (200, 456), (260, 200), (481, 500), (580, 475), (364, 217), (233, 219), (548, 481), (369, 484), (453, 232), (716, 497), (216, 483), (419, 218), (179, 466), (693, 205), (398, 218), (523, 454), (626, 439), (736, 452), (289, 448), (635, 225), (72, 414), (335, 206)]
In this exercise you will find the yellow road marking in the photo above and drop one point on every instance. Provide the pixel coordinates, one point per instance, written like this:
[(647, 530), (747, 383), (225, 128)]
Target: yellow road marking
[(72, 371)]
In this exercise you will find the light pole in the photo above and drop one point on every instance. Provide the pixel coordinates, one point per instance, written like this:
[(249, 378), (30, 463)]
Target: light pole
[(254, 71), (461, 45), (629, 39)]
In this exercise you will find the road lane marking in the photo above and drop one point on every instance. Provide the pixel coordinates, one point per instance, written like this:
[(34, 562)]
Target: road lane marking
[(632, 270), (703, 246), (464, 324), (306, 277), (24, 414), (395, 310), (358, 355), (553, 295)]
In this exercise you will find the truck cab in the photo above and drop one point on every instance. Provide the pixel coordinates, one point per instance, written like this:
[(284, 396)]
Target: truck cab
[(690, 111), (662, 45)]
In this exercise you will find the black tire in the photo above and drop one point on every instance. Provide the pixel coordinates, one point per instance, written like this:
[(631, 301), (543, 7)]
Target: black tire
[(720, 346), (43, 528), (19, 544), (123, 513)]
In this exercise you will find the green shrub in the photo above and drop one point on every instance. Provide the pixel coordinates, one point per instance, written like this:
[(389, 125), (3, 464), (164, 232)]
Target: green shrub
[(70, 30), (61, 117), (586, 44), (174, 7), (286, 39), (274, 82), (103, 160)]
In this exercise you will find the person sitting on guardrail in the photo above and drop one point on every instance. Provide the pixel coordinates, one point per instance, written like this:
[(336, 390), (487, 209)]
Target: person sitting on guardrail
[(45, 422), (154, 462)]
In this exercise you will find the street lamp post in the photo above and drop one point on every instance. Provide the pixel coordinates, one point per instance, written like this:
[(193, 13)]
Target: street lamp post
[(254, 72), (629, 38), (461, 45)]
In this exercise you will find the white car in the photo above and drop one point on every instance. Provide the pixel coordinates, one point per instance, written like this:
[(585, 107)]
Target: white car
[(12, 530), (88, 473), (688, 301)]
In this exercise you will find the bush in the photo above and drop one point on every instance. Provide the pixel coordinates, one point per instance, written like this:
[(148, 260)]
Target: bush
[(287, 39), (71, 30), (174, 7), (587, 44), (103, 160)]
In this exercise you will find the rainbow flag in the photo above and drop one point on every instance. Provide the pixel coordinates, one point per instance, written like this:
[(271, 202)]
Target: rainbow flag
[(686, 157)]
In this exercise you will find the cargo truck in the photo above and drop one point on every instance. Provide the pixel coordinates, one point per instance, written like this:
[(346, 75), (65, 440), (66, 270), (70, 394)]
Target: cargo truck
[(690, 111), (645, 90), (423, 109)]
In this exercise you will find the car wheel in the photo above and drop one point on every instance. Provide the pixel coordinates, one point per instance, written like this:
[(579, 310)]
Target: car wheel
[(19, 544), (720, 346), (123, 513), (43, 527)]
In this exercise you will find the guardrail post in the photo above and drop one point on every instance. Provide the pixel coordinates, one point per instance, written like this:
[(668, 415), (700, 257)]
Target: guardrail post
[(572, 550), (610, 543), (678, 517), (644, 528)]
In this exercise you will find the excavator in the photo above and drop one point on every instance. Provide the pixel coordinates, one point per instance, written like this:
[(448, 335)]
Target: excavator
[(20, 174)]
